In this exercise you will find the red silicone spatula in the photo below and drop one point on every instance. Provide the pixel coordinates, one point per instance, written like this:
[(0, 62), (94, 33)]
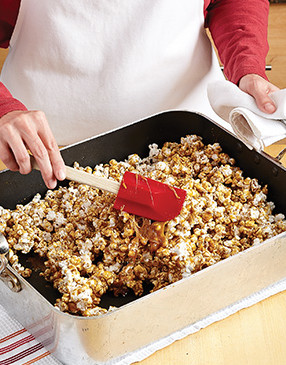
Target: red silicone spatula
[(149, 198), (135, 194)]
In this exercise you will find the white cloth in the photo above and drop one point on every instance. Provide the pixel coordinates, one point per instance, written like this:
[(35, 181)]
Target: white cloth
[(93, 66), (253, 127), (19, 347)]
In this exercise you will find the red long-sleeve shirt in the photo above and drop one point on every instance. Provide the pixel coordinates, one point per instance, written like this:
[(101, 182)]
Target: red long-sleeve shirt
[(238, 28)]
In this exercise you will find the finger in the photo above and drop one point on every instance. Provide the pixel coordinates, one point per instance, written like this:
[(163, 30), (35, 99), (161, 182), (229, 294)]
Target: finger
[(264, 102), (52, 148), (55, 156), (58, 165), (260, 89), (41, 155), (8, 158), (20, 153)]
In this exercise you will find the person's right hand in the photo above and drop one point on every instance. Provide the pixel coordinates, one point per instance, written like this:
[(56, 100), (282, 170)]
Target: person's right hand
[(29, 130)]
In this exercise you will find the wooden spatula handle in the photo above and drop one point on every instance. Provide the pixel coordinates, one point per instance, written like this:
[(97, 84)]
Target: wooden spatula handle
[(83, 177), (92, 180)]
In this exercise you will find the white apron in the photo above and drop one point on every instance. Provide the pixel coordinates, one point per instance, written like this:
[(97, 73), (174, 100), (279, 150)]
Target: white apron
[(95, 65)]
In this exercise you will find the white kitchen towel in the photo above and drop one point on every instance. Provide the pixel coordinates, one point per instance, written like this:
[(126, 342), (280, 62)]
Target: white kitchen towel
[(253, 127), (19, 347)]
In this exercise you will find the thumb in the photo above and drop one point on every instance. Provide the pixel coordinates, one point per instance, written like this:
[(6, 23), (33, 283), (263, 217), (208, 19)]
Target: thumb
[(259, 88), (264, 102)]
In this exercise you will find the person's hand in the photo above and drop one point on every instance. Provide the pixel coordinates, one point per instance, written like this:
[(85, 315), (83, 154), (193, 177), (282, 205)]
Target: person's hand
[(29, 130), (260, 89)]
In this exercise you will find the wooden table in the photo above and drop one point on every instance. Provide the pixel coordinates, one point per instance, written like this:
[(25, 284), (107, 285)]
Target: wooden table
[(252, 336)]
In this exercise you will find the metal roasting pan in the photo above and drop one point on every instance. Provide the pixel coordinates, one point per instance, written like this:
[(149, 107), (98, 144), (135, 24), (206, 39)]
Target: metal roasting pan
[(138, 322)]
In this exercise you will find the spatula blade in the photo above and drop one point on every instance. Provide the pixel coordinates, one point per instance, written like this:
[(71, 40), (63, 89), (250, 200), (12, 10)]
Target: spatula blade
[(149, 198)]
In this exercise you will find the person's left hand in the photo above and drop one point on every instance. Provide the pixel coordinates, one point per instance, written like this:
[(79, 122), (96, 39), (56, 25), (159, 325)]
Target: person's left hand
[(260, 89)]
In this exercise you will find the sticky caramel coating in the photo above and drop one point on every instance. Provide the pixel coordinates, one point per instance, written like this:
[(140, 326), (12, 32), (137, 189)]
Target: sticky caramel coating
[(90, 248)]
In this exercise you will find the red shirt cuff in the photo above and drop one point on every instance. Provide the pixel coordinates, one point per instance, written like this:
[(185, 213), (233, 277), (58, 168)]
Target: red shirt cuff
[(7, 102), (245, 70), (10, 105)]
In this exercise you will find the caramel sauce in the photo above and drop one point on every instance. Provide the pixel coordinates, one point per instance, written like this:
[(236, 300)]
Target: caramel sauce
[(152, 234), (174, 191)]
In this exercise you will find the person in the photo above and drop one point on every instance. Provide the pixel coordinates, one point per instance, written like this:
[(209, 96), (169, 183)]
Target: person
[(78, 69)]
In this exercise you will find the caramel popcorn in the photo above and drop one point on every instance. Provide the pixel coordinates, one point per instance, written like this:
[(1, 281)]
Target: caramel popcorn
[(90, 248)]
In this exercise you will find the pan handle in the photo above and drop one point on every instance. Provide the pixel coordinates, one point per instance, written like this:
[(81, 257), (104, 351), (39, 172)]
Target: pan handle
[(6, 275), (277, 157), (280, 155)]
